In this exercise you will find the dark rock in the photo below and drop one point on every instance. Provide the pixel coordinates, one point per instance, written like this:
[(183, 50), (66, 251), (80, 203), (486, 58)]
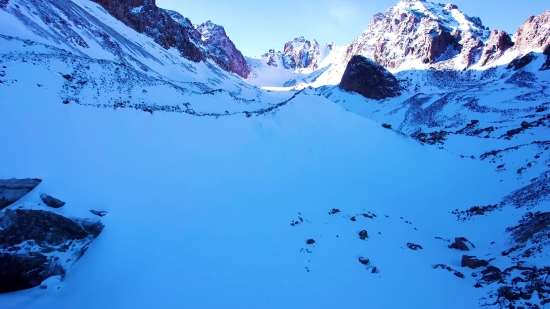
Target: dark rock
[(51, 201), (459, 244), (496, 45), (521, 62), (310, 241), (414, 246), (374, 270), (155, 23), (364, 261), (530, 225), (98, 213), (458, 274), (222, 50), (525, 125), (11, 190), (363, 235), (334, 211), (369, 79), (387, 126), (353, 218), (472, 262), (509, 293), (27, 229)]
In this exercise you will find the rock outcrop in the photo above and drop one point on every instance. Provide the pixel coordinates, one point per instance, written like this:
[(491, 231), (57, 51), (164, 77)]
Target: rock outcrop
[(422, 31), (534, 33), (145, 17), (222, 50), (38, 244), (298, 54), (369, 79), (11, 190), (51, 201), (496, 45)]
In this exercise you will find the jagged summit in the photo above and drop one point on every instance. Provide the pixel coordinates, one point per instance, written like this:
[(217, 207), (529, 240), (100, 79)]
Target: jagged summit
[(220, 48), (422, 31), (298, 54)]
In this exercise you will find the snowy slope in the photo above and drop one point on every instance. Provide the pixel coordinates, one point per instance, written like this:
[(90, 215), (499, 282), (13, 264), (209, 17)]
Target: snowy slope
[(203, 219), (219, 193)]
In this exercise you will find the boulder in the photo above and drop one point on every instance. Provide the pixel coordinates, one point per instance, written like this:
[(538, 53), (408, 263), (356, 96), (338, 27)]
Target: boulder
[(459, 244), (11, 190), (473, 262), (369, 79), (51, 201), (37, 244), (363, 235)]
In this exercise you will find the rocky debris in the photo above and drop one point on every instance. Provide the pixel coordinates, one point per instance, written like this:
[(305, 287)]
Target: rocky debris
[(521, 62), (431, 138), (490, 275), (299, 221), (534, 33), (450, 269), (496, 45), (11, 190), (387, 126), (412, 246), (533, 226), (369, 79), (472, 262), (353, 219), (222, 50), (310, 241), (35, 244), (98, 213), (517, 285), (474, 211), (546, 65), (51, 201), (459, 244), (334, 211), (145, 17), (369, 216), (363, 235), (364, 261)]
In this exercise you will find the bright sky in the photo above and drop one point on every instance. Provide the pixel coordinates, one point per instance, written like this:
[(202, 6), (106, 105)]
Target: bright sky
[(257, 26)]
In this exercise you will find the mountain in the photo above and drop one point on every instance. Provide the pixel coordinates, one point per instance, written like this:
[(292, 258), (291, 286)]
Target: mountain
[(414, 34), (141, 169), (222, 50)]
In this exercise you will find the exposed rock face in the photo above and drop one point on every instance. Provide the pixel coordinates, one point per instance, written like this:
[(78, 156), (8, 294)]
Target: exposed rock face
[(546, 65), (222, 50), (534, 33), (496, 45), (299, 54), (369, 79), (12, 190), (37, 244), (145, 17), (473, 262), (51, 201), (424, 31)]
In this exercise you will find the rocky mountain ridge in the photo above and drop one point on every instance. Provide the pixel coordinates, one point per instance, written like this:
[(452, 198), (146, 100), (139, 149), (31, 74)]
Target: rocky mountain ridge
[(419, 34)]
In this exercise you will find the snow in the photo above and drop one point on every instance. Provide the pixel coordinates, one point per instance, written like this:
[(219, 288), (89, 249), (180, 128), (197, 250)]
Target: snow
[(206, 216), (199, 208)]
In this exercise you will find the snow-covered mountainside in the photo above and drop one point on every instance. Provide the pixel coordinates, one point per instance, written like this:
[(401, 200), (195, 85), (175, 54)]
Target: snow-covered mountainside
[(140, 168), (413, 35)]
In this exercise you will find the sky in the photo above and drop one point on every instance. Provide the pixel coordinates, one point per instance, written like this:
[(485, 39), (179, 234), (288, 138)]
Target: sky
[(257, 26)]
